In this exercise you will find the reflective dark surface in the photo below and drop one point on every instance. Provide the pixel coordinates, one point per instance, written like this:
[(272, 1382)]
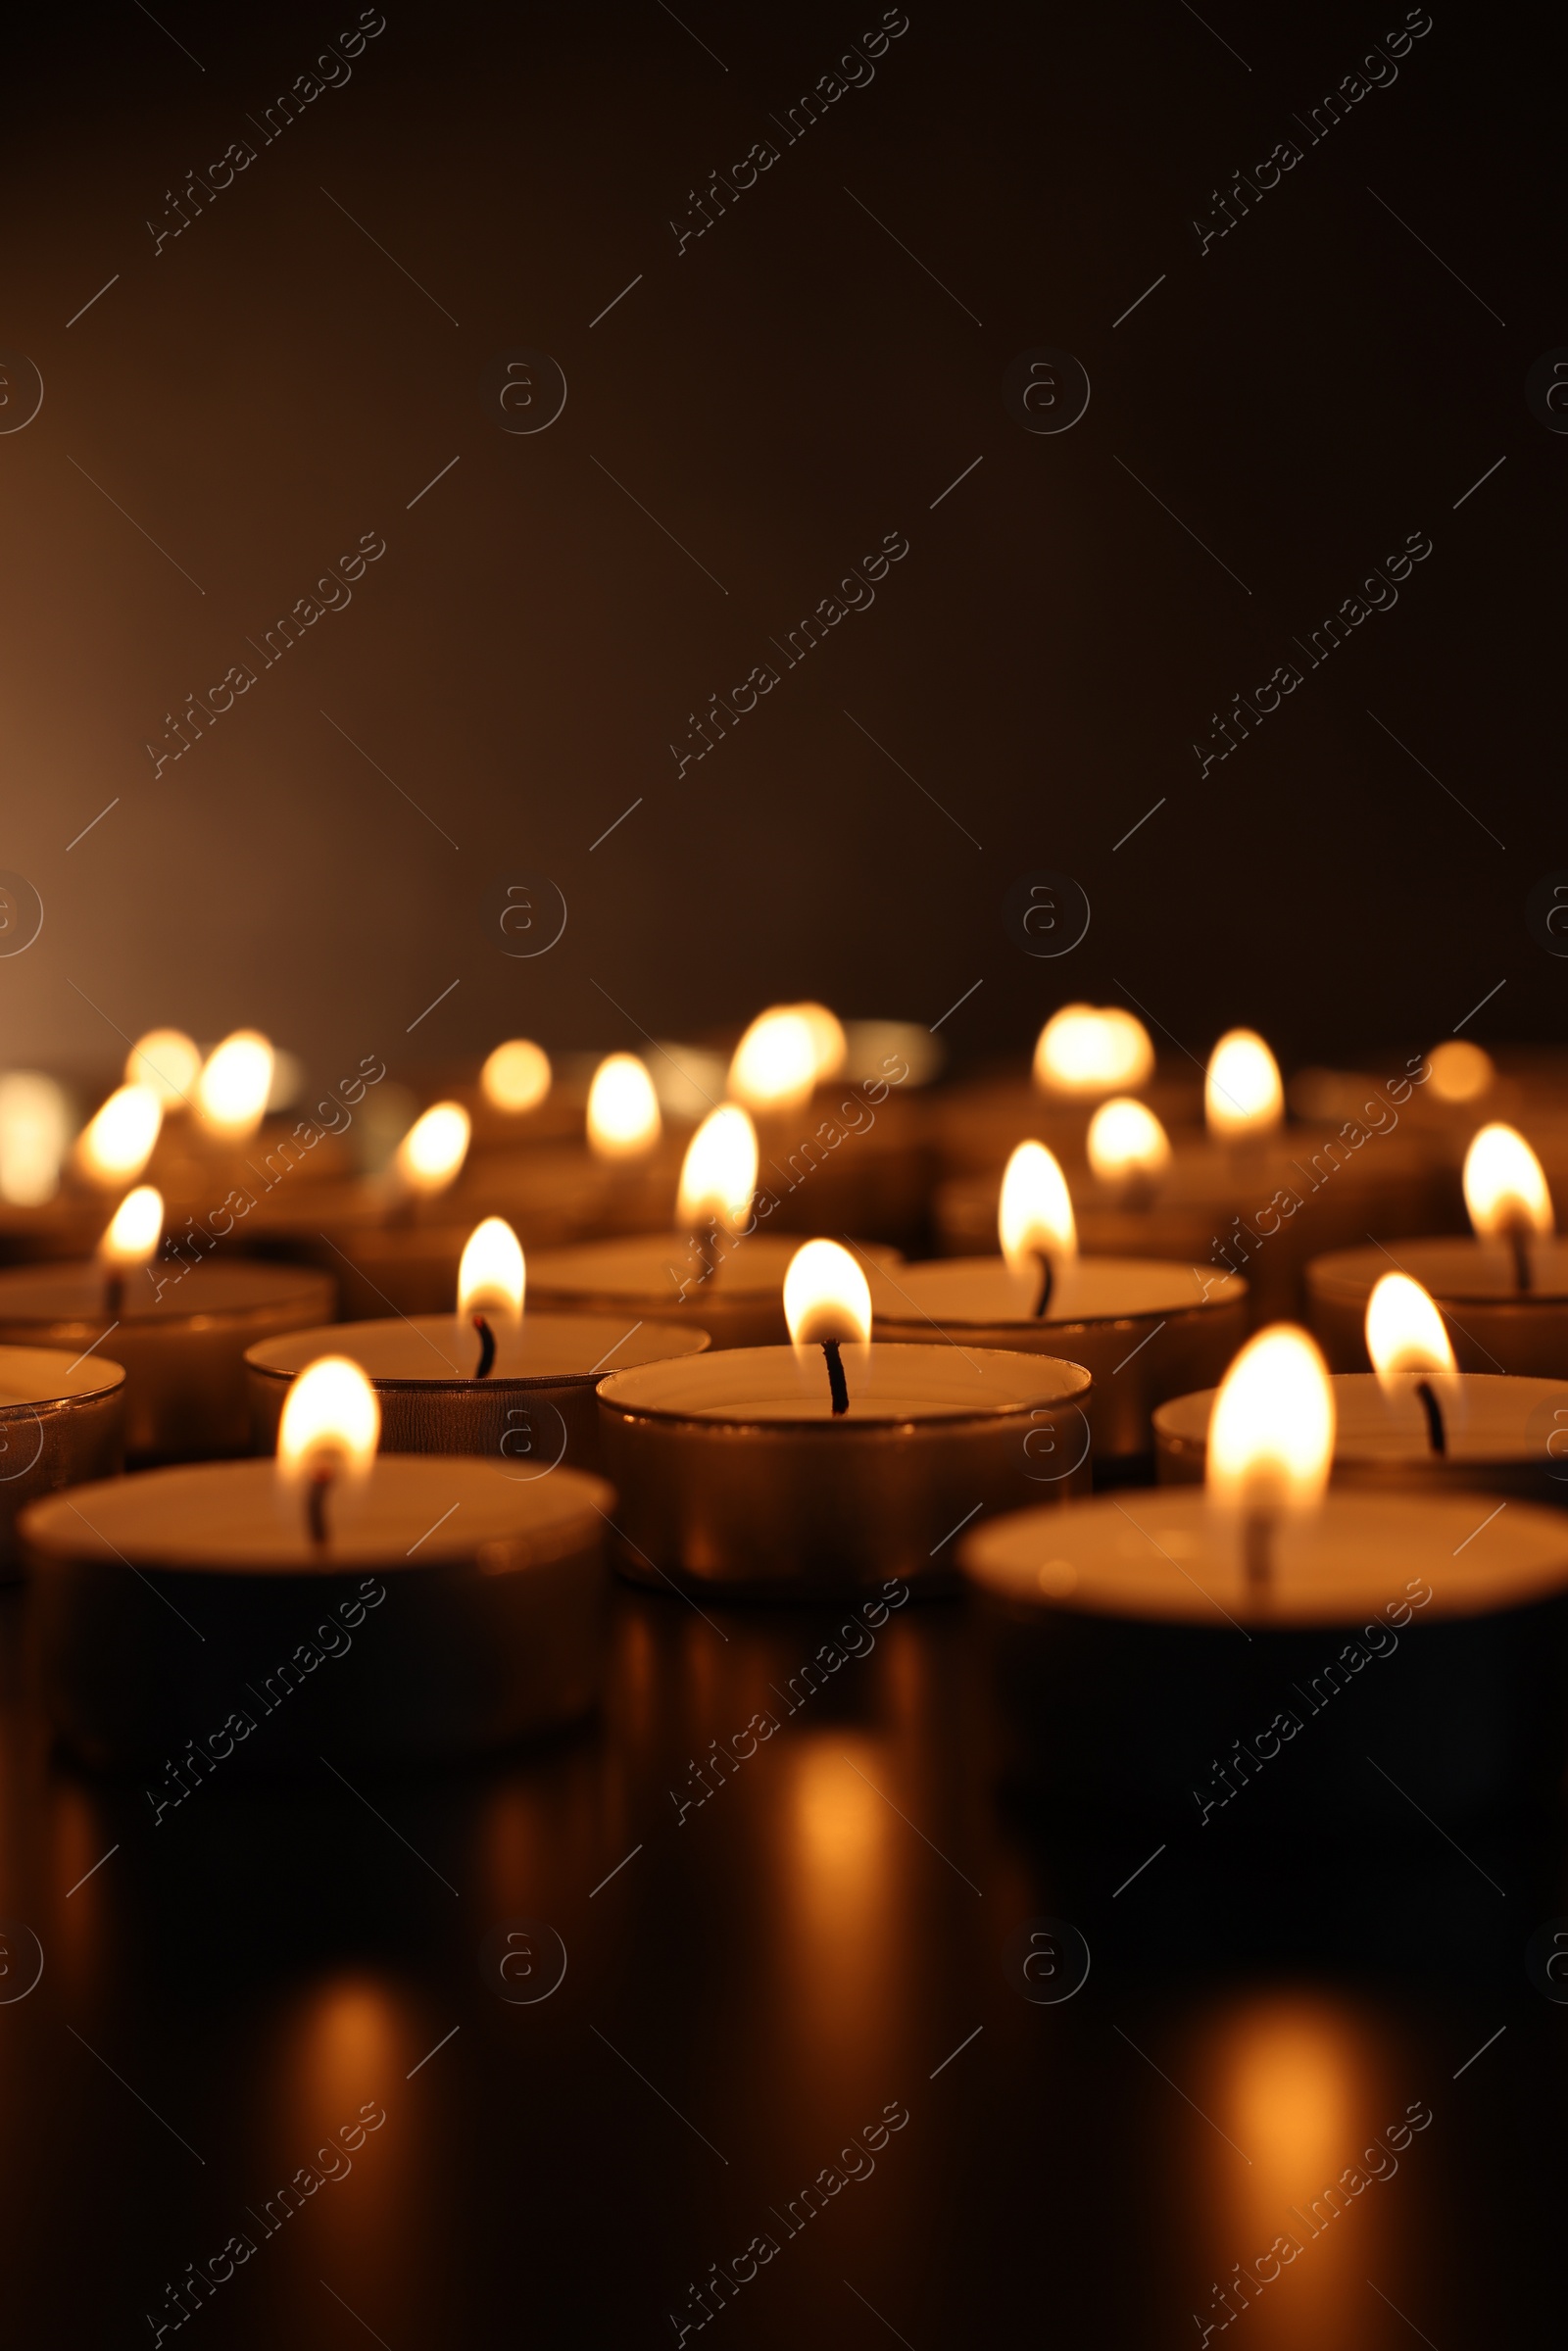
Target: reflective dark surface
[(850, 1929)]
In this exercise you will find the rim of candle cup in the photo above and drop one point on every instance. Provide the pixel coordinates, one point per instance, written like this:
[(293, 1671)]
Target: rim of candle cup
[(60, 1378), (1181, 1424), (1449, 1266), (257, 1283), (1141, 1273), (616, 1266), (668, 1340), (1024, 1561), (1041, 1381)]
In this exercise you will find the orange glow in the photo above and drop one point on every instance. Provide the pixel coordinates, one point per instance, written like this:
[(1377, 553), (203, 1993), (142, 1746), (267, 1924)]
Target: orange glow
[(236, 1081), (492, 1277), (1405, 1331), (718, 1174), (1242, 1095), (1126, 1142), (1272, 1435), (1090, 1049), (135, 1230), (516, 1077), (431, 1153), (826, 1296), (623, 1120), (1506, 1185), (1035, 1217), (117, 1144), (329, 1415)]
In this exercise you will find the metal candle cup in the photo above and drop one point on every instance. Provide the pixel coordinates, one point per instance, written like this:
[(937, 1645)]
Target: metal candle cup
[(1505, 1436), (491, 1629), (62, 1423), (534, 1407), (734, 1474), (181, 1340), (739, 1304), (1493, 1325), (1140, 1327), (1137, 1671)]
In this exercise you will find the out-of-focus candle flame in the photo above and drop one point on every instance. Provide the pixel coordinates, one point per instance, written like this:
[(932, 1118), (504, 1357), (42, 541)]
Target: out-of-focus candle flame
[(516, 1076), (330, 1419), (1035, 1218), (1126, 1143), (34, 1129), (829, 1044), (1091, 1048), (492, 1276), (135, 1227), (1242, 1091), (1271, 1433), (718, 1174), (236, 1081), (431, 1153), (1458, 1071), (167, 1061), (776, 1063), (623, 1120), (826, 1296), (117, 1144), (1504, 1184), (1405, 1331)]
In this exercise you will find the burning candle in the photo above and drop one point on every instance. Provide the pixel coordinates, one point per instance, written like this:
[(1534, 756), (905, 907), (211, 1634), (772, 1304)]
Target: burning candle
[(1414, 1421), (830, 1464), (1503, 1294), (1275, 1652), (232, 1088), (117, 1142), (1140, 1325), (169, 1063), (272, 1572), (488, 1379), (180, 1333)]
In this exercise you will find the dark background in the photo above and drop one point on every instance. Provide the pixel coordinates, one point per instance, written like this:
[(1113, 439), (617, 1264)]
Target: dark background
[(794, 385)]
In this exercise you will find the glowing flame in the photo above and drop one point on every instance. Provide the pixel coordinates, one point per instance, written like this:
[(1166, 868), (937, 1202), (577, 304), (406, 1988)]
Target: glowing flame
[(1271, 1434), (432, 1151), (1090, 1049), (330, 1417), (34, 1128), (236, 1081), (516, 1076), (117, 1145), (1127, 1142), (1458, 1071), (167, 1061), (1035, 1218), (718, 1174), (776, 1063), (1504, 1186), (1403, 1329), (623, 1118), (828, 1041), (135, 1229), (826, 1296), (1242, 1091), (492, 1276)]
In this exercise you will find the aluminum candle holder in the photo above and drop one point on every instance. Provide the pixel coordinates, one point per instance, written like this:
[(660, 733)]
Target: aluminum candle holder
[(1493, 1324), (62, 1423)]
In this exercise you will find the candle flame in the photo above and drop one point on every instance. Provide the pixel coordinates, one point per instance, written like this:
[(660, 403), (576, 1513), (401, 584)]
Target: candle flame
[(1271, 1434), (1405, 1331), (1458, 1071), (1035, 1218), (236, 1081), (117, 1144), (167, 1061), (331, 1418), (829, 1044), (1126, 1139), (135, 1227), (1242, 1091), (431, 1153), (718, 1174), (1091, 1048), (623, 1120), (516, 1077), (777, 1062), (1504, 1184), (826, 1296), (34, 1128), (492, 1275)]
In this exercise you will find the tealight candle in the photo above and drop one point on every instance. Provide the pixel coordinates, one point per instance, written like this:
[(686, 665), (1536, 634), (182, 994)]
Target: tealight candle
[(830, 1464), (473, 1600), (180, 1336), (487, 1380), (1503, 1294), (1084, 1055), (1140, 1326), (62, 1423), (1415, 1420), (1270, 1652)]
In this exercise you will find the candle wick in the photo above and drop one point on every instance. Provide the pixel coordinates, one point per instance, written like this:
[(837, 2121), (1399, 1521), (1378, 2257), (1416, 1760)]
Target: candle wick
[(317, 1491), (837, 1386), (487, 1349), (1257, 1551), (1519, 1242), (1047, 1282), (114, 1291), (1436, 1433)]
